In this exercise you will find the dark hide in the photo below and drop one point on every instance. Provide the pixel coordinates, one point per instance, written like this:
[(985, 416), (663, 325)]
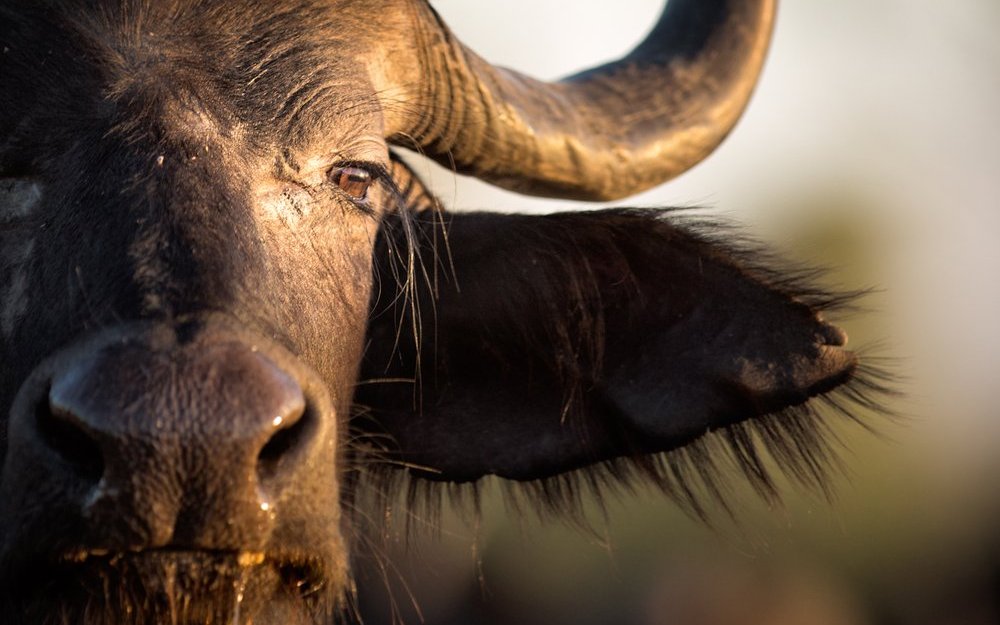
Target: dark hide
[(549, 343), (212, 342)]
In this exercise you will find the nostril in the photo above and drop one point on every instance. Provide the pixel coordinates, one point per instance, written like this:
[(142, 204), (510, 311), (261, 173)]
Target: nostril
[(62, 433), (281, 448)]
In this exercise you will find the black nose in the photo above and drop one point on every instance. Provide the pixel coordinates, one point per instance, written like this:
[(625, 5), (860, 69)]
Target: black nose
[(163, 441)]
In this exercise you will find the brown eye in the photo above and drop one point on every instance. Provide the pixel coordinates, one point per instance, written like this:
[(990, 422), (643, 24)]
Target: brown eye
[(354, 181)]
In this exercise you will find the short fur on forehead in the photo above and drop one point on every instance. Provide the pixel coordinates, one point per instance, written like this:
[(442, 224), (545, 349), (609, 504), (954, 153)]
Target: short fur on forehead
[(219, 63)]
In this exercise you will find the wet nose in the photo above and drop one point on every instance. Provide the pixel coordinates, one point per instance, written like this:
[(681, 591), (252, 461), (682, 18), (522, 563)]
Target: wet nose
[(171, 443)]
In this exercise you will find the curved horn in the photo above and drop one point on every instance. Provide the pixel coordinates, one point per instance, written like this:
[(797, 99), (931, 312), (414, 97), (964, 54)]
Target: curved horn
[(603, 134)]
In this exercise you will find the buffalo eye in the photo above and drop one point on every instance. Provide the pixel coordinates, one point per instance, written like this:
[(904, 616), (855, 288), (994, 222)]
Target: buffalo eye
[(354, 181)]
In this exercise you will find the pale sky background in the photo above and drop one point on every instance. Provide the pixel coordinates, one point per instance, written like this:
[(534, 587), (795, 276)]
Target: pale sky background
[(884, 116)]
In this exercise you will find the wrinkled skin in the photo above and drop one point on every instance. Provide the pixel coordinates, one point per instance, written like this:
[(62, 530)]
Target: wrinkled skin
[(197, 274)]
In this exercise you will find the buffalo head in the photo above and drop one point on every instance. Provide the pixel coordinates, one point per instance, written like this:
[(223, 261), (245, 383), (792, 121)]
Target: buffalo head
[(227, 307)]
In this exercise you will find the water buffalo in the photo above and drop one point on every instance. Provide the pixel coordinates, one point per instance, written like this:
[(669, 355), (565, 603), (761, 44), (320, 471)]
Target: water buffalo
[(228, 308)]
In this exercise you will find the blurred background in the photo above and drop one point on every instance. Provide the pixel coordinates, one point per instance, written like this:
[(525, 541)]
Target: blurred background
[(872, 146)]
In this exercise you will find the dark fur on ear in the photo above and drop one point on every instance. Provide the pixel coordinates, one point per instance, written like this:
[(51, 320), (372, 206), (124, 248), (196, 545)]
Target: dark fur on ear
[(599, 350)]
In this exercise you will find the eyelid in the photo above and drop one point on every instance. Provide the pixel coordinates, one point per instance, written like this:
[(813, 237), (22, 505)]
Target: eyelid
[(378, 172)]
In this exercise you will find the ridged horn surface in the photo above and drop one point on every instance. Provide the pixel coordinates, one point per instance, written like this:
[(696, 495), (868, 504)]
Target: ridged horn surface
[(603, 134)]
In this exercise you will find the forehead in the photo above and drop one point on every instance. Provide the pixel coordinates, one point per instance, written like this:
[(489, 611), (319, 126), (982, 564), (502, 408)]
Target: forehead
[(279, 73)]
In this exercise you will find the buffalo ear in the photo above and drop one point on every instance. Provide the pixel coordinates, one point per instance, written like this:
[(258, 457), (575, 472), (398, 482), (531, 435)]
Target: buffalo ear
[(528, 346)]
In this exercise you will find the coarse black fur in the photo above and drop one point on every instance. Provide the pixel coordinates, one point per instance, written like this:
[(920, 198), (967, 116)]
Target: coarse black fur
[(578, 283), (164, 588), (190, 249)]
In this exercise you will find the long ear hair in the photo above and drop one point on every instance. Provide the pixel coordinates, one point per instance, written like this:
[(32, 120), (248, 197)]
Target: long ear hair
[(600, 350)]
